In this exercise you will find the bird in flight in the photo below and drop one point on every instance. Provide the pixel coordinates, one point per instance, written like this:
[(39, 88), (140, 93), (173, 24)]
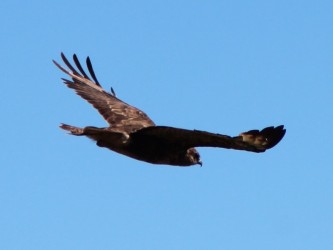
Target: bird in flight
[(132, 133)]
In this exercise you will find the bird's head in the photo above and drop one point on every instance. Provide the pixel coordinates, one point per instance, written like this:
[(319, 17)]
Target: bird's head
[(193, 157)]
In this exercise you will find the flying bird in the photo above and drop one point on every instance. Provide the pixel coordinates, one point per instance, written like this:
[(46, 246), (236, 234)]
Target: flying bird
[(132, 133)]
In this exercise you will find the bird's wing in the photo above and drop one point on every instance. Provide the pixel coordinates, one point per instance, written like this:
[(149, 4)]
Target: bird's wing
[(116, 112), (253, 140)]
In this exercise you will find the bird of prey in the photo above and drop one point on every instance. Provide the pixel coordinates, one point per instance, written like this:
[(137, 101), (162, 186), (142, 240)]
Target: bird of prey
[(132, 133)]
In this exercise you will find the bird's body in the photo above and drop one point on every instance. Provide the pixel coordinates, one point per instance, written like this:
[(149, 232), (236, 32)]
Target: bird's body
[(132, 133), (138, 145)]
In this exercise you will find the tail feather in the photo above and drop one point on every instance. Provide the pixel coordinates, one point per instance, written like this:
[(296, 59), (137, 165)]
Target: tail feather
[(73, 130)]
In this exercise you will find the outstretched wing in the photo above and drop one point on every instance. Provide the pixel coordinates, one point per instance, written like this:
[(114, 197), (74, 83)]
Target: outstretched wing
[(116, 112), (253, 140)]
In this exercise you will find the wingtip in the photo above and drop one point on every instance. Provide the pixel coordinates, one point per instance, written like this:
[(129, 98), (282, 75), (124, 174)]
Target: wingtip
[(274, 135), (62, 56), (264, 139), (60, 67)]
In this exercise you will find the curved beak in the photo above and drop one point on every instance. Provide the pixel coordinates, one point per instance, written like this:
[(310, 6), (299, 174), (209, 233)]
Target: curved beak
[(200, 163)]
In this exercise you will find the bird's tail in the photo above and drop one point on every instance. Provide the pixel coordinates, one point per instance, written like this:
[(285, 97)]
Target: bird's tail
[(73, 130)]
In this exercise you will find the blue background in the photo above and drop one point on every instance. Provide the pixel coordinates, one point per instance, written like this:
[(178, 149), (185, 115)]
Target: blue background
[(219, 66)]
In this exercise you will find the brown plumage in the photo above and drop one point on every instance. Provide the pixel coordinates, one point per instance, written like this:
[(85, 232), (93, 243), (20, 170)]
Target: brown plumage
[(132, 133)]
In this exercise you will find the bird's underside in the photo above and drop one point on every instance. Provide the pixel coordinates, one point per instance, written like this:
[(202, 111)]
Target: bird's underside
[(132, 133)]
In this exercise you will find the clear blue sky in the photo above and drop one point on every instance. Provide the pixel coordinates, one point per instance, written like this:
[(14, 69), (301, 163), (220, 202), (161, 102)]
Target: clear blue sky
[(220, 66)]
